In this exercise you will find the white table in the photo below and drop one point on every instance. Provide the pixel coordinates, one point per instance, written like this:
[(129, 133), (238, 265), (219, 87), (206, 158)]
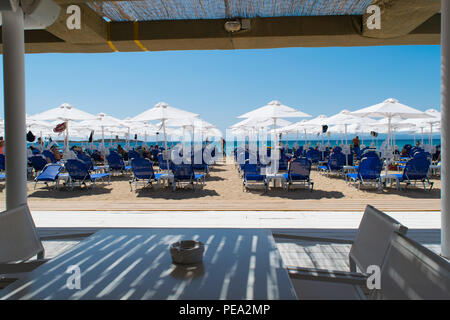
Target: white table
[(277, 178), (136, 264), (390, 178)]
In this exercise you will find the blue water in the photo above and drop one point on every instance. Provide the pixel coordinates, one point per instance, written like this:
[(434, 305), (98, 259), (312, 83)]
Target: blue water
[(378, 142)]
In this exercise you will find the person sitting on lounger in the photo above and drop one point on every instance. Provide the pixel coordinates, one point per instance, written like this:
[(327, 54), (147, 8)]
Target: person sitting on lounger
[(2, 145), (56, 153)]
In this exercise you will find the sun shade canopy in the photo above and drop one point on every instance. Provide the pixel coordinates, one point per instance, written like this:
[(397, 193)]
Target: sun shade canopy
[(220, 9)]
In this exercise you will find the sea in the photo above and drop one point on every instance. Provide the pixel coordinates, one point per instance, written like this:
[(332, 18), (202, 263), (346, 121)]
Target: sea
[(333, 142)]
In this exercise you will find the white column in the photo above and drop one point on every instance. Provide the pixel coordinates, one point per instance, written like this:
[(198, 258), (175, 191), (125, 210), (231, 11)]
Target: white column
[(14, 101), (445, 128)]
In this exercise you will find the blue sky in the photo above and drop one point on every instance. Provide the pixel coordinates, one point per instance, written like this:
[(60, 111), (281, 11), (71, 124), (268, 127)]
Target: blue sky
[(220, 85)]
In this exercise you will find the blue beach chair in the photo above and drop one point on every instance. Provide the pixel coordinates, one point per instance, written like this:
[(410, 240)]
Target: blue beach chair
[(314, 155), (50, 173), (2, 162), (184, 173), (79, 172), (415, 170), (336, 163), (133, 154), (142, 170), (115, 162), (299, 172), (252, 174), (38, 163), (369, 172), (50, 155)]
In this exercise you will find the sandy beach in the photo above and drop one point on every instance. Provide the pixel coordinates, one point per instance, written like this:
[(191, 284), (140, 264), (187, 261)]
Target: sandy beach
[(223, 191)]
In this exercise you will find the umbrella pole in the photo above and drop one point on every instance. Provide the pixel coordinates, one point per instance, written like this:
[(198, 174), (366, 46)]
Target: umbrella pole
[(103, 141), (431, 134), (128, 139), (165, 143), (422, 134), (275, 149)]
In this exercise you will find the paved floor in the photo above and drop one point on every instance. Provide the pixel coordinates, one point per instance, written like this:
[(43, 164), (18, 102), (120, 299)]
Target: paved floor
[(423, 227)]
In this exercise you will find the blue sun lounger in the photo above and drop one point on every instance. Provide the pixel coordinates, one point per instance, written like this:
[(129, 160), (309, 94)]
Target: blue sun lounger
[(415, 170), (252, 175), (184, 173), (50, 173), (299, 172), (116, 163), (142, 170), (335, 164), (369, 173), (79, 172), (38, 163)]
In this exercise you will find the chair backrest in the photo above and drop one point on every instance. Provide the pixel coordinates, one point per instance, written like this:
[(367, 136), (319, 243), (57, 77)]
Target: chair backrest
[(50, 155), (50, 171), (313, 155), (251, 168), (300, 168), (283, 163), (373, 238), (183, 172), (133, 154), (163, 163), (370, 168), (77, 169), (2, 162), (412, 272), (142, 168), (18, 238), (369, 154), (336, 161), (416, 168), (423, 154), (115, 161), (298, 152), (86, 159), (38, 162)]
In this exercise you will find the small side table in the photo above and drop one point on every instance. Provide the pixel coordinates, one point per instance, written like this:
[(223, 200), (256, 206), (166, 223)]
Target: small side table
[(390, 178)]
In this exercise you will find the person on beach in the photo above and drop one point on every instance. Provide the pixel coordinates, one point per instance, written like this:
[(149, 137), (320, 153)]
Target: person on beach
[(2, 145), (56, 153), (356, 143), (223, 142), (40, 145)]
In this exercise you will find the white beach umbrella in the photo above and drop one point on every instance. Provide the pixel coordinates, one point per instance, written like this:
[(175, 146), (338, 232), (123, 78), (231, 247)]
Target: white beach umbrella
[(101, 122), (163, 112), (299, 126), (64, 112), (316, 123), (275, 110), (389, 109), (191, 123), (256, 122), (345, 119)]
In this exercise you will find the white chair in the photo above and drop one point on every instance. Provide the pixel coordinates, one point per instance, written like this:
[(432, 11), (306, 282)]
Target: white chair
[(410, 271), (19, 242), (369, 248)]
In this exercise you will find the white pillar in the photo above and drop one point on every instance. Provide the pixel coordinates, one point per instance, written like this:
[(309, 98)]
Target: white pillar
[(445, 128), (14, 101)]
